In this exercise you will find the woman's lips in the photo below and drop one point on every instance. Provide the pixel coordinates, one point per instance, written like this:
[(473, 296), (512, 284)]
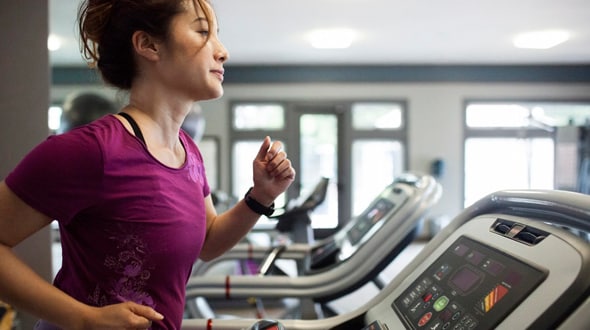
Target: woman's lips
[(218, 73)]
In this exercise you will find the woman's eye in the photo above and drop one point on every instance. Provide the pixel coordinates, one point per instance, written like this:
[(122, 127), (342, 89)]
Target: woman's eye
[(204, 33)]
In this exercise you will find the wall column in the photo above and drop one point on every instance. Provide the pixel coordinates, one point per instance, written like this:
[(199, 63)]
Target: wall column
[(24, 100)]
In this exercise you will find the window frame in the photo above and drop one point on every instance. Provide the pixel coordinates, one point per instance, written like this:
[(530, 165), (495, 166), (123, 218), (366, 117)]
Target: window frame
[(346, 136), (503, 132)]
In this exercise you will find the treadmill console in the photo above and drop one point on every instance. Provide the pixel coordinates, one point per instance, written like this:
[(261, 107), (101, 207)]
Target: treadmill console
[(469, 286), (371, 216), (360, 229), (326, 254)]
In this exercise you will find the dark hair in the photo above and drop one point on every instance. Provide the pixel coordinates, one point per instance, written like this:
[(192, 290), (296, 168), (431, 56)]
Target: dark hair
[(106, 28)]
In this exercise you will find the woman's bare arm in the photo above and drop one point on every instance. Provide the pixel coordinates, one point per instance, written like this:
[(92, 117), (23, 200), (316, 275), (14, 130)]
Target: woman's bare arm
[(272, 174)]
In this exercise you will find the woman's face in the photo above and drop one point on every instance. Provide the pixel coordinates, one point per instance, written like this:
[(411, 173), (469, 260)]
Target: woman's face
[(192, 58)]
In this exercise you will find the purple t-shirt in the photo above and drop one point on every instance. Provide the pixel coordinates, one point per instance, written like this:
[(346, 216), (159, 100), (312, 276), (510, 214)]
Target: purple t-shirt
[(131, 227)]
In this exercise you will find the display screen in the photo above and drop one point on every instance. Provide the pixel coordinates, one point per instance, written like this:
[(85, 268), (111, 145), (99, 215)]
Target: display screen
[(368, 219), (470, 286)]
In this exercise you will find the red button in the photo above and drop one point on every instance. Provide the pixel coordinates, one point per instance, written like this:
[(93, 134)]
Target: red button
[(424, 319)]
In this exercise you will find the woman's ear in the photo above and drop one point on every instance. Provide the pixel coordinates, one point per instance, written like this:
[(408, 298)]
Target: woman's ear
[(145, 45)]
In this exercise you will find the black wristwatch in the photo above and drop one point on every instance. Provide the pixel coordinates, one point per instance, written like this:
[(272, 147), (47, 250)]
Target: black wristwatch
[(255, 206)]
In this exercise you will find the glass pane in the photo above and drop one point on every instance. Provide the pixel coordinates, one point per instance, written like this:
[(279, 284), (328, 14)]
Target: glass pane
[(497, 115), (527, 114), (507, 163), (368, 178), (54, 118), (244, 153), (319, 145), (259, 116), (562, 114), (369, 116)]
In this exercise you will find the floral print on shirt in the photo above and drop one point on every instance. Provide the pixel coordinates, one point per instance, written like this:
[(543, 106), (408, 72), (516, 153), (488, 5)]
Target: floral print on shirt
[(131, 274), (195, 169)]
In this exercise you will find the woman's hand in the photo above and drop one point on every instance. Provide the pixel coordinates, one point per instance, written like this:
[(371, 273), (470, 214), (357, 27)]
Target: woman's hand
[(127, 315), (273, 172)]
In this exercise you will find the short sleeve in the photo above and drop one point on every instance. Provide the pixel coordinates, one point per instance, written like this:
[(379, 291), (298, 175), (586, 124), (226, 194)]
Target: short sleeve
[(61, 176)]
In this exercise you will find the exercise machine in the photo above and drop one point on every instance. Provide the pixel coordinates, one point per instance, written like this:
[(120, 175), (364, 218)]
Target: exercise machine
[(361, 250), (512, 260), (293, 222)]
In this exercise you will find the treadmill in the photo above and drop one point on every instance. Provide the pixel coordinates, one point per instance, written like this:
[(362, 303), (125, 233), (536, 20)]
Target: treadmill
[(295, 222), (361, 250), (516, 259)]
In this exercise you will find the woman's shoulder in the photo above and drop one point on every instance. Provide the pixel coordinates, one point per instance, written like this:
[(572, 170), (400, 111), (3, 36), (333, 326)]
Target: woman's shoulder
[(106, 124), (84, 141), (101, 131)]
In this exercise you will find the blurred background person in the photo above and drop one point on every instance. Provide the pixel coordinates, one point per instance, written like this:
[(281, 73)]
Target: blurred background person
[(82, 108)]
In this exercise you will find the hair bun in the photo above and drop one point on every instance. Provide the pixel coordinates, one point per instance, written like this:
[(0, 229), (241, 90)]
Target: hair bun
[(94, 17)]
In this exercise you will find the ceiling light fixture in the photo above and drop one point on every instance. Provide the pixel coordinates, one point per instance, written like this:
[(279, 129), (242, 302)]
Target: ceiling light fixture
[(53, 42), (332, 38), (540, 39)]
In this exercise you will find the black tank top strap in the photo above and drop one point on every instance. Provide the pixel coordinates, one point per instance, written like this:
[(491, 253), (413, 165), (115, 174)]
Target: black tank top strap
[(134, 125)]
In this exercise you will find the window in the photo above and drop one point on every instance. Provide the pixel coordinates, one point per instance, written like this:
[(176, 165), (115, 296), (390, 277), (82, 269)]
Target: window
[(359, 146), (54, 118), (243, 154), (366, 154), (250, 123), (521, 145), (258, 116), (374, 154), (377, 116), (493, 164), (318, 158)]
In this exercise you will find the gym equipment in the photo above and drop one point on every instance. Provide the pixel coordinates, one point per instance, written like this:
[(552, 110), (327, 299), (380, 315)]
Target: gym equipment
[(512, 260), (361, 250), (267, 325), (294, 222)]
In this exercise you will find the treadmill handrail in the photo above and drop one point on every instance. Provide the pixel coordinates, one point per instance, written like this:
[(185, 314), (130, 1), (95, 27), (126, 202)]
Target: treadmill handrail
[(270, 259), (248, 251)]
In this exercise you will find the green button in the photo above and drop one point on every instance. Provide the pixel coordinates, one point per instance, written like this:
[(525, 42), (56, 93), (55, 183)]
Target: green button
[(440, 303)]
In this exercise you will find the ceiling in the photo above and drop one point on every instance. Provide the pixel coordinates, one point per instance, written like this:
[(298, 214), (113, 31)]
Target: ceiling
[(389, 32)]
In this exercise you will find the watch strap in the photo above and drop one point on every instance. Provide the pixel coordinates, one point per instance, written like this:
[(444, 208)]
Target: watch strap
[(255, 206)]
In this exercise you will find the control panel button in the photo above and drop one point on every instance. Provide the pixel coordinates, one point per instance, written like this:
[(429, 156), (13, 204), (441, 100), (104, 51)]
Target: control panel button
[(440, 303)]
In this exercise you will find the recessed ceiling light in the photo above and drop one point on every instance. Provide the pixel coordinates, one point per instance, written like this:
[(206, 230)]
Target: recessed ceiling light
[(53, 42), (332, 38), (540, 39)]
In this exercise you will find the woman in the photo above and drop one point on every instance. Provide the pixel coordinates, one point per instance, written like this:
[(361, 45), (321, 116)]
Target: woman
[(129, 190)]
